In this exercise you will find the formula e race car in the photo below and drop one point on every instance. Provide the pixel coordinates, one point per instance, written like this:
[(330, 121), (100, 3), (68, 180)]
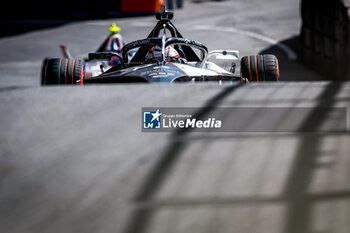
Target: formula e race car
[(164, 56)]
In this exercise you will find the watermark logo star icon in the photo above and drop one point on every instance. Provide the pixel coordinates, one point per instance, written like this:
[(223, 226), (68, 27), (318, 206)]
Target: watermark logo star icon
[(156, 115)]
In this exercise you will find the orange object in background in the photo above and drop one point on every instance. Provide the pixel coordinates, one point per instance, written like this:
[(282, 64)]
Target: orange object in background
[(142, 5)]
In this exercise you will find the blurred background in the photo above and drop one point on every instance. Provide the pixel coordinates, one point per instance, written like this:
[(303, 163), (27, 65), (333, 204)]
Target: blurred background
[(74, 159)]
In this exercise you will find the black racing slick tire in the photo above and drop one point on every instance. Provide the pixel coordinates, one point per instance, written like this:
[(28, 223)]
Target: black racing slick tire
[(260, 68), (62, 71), (43, 70)]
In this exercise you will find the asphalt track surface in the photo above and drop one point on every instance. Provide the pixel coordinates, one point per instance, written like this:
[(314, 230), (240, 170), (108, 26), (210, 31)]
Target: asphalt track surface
[(74, 159)]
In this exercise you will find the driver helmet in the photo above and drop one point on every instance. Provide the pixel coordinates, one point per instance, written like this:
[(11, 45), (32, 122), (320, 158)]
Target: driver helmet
[(155, 54)]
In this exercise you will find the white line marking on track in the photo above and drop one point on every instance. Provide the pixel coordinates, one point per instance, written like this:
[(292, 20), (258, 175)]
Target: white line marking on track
[(288, 51)]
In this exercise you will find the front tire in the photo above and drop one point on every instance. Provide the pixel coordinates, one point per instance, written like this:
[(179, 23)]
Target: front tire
[(260, 68), (62, 71)]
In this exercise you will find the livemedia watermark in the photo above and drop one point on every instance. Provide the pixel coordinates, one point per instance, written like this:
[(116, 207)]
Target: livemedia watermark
[(244, 119)]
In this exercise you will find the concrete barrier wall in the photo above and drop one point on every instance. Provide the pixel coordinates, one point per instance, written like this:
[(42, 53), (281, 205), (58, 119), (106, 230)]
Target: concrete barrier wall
[(325, 37)]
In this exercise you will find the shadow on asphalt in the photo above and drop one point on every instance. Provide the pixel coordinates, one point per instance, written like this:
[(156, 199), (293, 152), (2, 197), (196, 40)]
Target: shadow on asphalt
[(299, 202), (141, 217), (12, 26), (292, 70), (18, 27), (295, 195)]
